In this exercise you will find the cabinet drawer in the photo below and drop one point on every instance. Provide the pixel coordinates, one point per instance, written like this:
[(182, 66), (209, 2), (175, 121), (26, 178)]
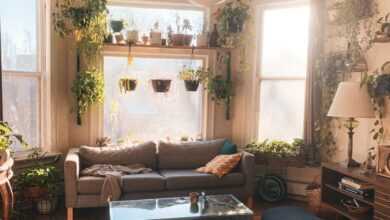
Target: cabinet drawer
[(382, 195), (380, 216), (382, 208)]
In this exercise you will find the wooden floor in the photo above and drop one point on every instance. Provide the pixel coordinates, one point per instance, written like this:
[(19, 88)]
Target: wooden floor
[(102, 213)]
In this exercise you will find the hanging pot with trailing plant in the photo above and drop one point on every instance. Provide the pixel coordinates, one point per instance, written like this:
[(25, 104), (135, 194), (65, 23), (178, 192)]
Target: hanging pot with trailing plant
[(192, 78), (127, 85), (161, 85)]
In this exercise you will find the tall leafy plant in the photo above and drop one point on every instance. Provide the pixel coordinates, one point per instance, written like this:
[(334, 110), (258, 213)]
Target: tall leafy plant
[(86, 22), (88, 88)]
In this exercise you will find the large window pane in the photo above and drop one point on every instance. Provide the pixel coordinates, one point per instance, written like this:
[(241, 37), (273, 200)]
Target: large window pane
[(19, 35), (143, 114), (281, 109), (285, 42), (21, 107), (143, 19)]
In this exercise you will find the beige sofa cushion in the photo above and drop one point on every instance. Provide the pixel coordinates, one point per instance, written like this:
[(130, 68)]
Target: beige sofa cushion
[(147, 182), (190, 179), (189, 155), (120, 155)]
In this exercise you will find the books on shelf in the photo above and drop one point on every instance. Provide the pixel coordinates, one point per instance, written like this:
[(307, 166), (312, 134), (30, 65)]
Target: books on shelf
[(360, 189), (355, 184)]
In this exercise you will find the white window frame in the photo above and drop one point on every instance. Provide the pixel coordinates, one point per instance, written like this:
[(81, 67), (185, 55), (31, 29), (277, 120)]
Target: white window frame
[(41, 75), (258, 78), (207, 116)]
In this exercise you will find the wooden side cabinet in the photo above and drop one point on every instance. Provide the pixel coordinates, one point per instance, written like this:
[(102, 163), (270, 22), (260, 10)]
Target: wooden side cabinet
[(331, 195)]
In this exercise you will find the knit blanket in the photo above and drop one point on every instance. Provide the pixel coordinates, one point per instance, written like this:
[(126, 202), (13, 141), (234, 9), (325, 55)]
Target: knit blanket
[(112, 185)]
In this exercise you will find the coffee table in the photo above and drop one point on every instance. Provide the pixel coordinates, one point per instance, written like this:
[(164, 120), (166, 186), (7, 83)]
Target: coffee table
[(225, 207)]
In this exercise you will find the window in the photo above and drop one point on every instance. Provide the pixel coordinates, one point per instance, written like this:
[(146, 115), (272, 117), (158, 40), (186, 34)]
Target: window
[(284, 48), (143, 18), (143, 114), (22, 53)]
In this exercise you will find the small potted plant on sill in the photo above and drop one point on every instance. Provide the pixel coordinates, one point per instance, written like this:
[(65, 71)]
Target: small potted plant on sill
[(41, 185), (117, 26), (178, 37), (7, 138), (385, 25), (127, 85), (187, 27), (161, 85), (155, 35), (192, 78), (277, 153)]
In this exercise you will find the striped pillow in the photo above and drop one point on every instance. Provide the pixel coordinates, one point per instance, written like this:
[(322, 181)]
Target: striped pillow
[(221, 165)]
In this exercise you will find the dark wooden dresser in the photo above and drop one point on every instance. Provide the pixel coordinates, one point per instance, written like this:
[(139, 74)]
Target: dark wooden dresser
[(331, 195)]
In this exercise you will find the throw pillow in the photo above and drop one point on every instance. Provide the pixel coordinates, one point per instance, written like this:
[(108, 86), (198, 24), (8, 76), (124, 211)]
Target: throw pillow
[(221, 165), (228, 148)]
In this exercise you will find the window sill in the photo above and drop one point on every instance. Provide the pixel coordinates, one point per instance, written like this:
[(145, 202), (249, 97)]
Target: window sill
[(21, 159)]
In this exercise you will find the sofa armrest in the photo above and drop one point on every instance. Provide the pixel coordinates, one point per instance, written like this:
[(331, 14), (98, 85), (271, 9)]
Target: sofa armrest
[(248, 168), (71, 175)]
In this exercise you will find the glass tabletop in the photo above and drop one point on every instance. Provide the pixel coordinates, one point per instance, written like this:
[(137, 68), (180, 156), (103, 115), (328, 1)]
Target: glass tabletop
[(178, 208)]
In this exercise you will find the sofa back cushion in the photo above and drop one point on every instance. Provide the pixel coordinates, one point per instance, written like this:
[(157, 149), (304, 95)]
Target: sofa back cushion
[(144, 153), (189, 155)]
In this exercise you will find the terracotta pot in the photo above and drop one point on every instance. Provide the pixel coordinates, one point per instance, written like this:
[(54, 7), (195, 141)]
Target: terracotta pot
[(314, 200), (191, 85), (4, 156), (161, 85), (188, 40), (178, 39), (34, 192)]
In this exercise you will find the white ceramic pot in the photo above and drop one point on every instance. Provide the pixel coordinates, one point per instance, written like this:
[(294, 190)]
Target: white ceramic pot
[(132, 36), (202, 40), (46, 206), (155, 38)]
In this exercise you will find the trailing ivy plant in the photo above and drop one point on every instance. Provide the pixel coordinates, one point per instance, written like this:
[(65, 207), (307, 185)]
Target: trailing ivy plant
[(230, 21), (276, 147), (378, 86), (88, 89), (85, 20)]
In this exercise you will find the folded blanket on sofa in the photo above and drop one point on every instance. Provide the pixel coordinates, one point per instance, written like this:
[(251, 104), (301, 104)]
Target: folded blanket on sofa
[(112, 185)]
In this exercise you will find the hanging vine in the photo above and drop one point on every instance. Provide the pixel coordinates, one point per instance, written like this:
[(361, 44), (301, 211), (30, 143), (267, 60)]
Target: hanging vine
[(85, 21)]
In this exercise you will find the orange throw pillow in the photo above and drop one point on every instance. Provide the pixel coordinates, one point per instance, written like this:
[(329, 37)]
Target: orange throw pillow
[(221, 165)]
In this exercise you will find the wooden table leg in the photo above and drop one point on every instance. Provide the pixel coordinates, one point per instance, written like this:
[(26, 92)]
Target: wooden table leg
[(5, 191)]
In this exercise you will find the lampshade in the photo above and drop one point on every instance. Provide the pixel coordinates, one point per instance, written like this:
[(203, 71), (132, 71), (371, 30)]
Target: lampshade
[(351, 101)]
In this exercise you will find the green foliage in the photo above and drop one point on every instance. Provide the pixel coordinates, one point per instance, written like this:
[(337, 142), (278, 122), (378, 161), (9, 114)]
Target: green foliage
[(7, 137), (46, 177), (276, 148), (231, 18), (193, 74), (378, 87), (88, 89), (86, 20), (221, 90)]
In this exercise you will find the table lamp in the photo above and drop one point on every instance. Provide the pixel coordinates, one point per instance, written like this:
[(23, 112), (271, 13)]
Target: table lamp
[(351, 101)]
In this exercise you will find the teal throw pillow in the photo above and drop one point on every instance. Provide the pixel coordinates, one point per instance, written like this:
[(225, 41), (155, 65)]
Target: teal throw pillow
[(228, 148)]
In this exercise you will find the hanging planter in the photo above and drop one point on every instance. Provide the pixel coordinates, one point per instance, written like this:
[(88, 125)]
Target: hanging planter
[(191, 85), (161, 85), (192, 78), (127, 85)]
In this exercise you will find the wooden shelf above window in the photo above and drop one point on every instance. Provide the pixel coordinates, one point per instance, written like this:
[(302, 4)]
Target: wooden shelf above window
[(163, 47)]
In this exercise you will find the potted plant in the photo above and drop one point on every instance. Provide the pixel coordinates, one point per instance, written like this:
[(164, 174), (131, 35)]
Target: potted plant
[(161, 85), (40, 184), (277, 153), (155, 35), (127, 85), (178, 37), (88, 88), (385, 25), (221, 91), (192, 78), (7, 138), (187, 27), (117, 26)]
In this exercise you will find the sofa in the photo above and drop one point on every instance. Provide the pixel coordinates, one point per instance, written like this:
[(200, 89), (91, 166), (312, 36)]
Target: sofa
[(174, 174)]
